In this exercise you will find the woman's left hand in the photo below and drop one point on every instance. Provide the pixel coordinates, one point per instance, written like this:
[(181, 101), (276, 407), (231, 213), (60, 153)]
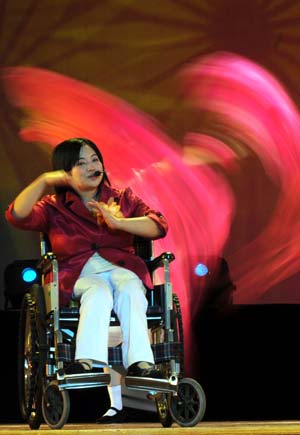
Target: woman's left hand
[(109, 213)]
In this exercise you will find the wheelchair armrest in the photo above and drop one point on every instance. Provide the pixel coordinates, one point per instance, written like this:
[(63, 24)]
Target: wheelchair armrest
[(45, 263), (159, 261)]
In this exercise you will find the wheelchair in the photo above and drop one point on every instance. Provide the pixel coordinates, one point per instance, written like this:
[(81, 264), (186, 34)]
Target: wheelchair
[(46, 345)]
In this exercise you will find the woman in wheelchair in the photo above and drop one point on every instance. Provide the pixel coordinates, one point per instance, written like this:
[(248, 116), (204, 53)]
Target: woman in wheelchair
[(91, 227)]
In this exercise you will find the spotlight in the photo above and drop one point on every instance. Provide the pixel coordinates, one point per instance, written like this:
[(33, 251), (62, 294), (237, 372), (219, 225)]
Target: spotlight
[(18, 278), (201, 269), (29, 275)]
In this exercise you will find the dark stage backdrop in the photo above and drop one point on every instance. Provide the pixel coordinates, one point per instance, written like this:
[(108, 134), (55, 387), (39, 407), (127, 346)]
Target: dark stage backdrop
[(134, 49)]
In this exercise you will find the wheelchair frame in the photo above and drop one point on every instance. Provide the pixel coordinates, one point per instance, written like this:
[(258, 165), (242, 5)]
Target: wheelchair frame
[(47, 344)]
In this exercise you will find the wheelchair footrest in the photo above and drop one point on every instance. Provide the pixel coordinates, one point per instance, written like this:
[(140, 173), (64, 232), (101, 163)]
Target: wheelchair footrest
[(153, 384), (83, 380)]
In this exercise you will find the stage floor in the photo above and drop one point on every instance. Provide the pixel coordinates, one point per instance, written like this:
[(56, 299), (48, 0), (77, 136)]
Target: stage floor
[(204, 428)]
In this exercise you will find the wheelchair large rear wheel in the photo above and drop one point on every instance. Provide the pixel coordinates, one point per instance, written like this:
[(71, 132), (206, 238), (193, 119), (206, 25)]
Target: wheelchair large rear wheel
[(188, 407), (56, 406), (32, 356), (163, 409)]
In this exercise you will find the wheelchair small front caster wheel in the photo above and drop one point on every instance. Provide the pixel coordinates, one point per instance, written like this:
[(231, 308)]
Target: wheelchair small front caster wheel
[(55, 406), (163, 409), (188, 407)]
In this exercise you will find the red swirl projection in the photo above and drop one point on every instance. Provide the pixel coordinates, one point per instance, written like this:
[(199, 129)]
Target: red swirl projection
[(257, 112), (196, 200), (251, 112)]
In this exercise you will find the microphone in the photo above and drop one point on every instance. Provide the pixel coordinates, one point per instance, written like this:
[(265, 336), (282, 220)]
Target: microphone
[(97, 173)]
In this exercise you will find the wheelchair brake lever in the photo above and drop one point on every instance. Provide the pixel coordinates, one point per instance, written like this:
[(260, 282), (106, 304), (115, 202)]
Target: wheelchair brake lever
[(45, 263)]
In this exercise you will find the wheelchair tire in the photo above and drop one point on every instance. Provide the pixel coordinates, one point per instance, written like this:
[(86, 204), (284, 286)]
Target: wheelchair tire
[(32, 356), (55, 406), (188, 407), (163, 409)]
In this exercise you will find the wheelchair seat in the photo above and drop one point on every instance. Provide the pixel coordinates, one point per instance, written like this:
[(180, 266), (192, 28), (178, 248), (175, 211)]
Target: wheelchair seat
[(46, 346)]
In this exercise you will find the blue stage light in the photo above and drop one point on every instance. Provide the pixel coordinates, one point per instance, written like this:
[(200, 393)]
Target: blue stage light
[(29, 274), (19, 276), (201, 269)]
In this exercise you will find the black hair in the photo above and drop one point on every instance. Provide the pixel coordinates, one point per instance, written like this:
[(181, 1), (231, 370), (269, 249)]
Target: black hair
[(66, 155)]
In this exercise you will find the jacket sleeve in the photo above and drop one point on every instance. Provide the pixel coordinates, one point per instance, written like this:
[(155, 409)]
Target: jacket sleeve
[(36, 221), (133, 206)]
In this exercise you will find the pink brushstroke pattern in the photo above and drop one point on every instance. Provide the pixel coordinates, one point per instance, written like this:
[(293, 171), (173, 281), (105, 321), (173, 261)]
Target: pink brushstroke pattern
[(196, 200), (258, 112)]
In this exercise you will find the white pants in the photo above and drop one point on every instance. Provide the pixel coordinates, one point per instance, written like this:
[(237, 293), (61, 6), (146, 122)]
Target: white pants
[(99, 293)]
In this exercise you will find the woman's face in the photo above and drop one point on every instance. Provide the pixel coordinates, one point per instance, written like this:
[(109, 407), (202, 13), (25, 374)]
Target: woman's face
[(83, 171)]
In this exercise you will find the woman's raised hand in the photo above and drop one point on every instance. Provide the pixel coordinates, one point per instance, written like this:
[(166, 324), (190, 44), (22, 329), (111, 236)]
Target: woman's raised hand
[(58, 178)]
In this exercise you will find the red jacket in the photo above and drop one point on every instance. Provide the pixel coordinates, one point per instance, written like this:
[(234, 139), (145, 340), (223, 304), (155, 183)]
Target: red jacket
[(75, 235)]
